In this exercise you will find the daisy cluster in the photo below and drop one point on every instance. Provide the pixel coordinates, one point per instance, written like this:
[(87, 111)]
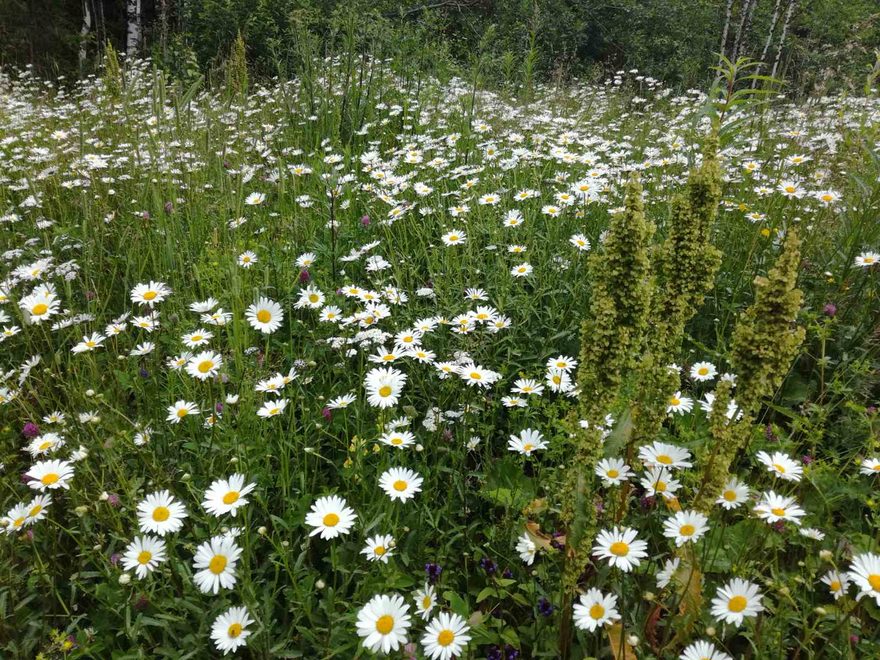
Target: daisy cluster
[(377, 341)]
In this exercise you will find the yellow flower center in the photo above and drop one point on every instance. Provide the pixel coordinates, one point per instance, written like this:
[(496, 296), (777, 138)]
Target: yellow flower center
[(400, 485), (476, 375), (35, 511), (231, 497), (18, 522), (385, 390), (396, 441), (264, 316), (597, 611), (454, 237), (39, 309), (874, 581), (687, 530), (777, 511), (313, 298), (613, 474), (205, 366), (790, 189), (150, 295), (144, 557), (528, 447), (385, 624), (674, 402), (737, 604), (660, 486), (49, 479), (703, 371), (234, 630), (445, 638), (779, 468), (664, 459), (379, 550), (45, 445), (835, 585), (619, 548), (161, 514), (426, 602), (330, 520), (217, 564), (729, 495)]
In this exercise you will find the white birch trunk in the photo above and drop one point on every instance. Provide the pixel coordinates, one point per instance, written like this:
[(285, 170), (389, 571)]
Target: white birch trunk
[(762, 60), (744, 24), (84, 33), (788, 14), (724, 32), (133, 35)]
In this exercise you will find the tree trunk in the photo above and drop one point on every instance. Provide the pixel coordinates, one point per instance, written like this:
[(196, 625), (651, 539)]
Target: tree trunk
[(744, 24), (133, 35), (767, 43), (724, 32), (83, 35), (163, 26), (788, 13), (100, 23)]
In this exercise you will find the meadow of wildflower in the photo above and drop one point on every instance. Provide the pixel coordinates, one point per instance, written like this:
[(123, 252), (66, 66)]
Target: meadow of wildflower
[(375, 363)]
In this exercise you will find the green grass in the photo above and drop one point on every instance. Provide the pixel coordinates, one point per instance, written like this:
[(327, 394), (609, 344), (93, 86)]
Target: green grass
[(179, 165)]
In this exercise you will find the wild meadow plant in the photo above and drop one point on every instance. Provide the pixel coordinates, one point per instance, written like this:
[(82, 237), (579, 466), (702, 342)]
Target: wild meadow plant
[(373, 362)]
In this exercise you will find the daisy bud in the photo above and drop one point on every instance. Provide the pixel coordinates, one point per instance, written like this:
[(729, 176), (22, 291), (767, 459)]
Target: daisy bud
[(285, 544), (104, 496), (825, 555), (419, 447), (81, 511), (262, 531), (233, 460), (319, 584), (820, 611), (710, 631), (649, 596), (186, 476), (90, 392), (124, 579), (632, 640)]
